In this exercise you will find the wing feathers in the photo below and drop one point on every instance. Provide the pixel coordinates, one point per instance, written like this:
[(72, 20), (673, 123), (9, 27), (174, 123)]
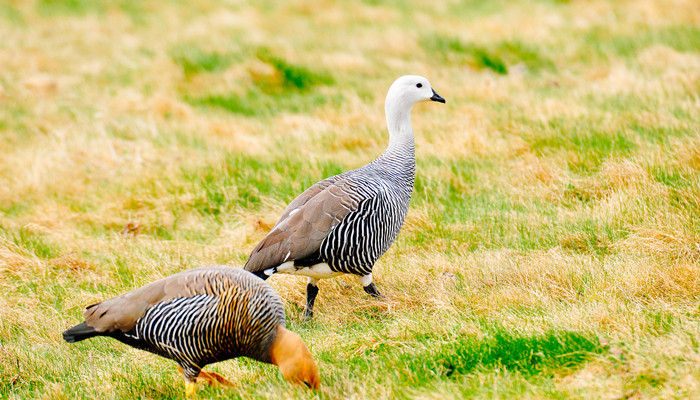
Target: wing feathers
[(305, 223), (122, 312)]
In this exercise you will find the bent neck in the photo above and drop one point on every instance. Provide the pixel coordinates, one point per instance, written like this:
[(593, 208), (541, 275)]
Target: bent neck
[(282, 347), (293, 358), (287, 348)]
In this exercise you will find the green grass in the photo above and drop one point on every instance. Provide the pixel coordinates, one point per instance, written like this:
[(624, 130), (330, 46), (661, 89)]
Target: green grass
[(530, 355), (292, 77), (31, 243), (683, 38), (287, 88), (550, 250), (240, 182), (12, 15), (259, 103), (497, 56), (194, 60), (77, 7)]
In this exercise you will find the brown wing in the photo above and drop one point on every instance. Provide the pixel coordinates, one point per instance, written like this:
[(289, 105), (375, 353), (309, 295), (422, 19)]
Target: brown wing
[(304, 224), (122, 312)]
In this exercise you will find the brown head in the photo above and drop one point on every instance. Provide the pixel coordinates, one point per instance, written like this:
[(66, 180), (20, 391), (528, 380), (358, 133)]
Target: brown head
[(294, 360)]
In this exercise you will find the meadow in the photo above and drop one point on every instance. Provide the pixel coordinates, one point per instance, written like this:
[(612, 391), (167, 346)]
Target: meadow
[(551, 250)]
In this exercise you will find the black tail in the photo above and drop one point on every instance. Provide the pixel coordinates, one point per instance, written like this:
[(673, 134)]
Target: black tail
[(79, 332), (260, 274)]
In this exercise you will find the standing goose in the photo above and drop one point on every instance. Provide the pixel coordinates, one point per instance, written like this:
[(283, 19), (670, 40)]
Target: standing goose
[(343, 224), (202, 316)]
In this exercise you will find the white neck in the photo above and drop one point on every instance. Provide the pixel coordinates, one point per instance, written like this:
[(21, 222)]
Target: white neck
[(398, 120)]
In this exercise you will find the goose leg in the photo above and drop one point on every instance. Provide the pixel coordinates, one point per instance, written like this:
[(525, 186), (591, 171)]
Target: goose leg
[(213, 378), (311, 293), (190, 389), (370, 287), (209, 377), (190, 374)]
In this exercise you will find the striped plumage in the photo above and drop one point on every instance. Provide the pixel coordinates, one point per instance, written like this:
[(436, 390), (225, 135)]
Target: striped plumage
[(198, 317), (379, 193), (196, 331), (344, 223)]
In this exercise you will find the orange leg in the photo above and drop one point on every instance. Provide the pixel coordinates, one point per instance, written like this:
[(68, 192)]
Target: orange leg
[(214, 378)]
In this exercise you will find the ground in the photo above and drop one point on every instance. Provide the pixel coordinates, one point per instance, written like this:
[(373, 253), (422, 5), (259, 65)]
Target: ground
[(552, 247)]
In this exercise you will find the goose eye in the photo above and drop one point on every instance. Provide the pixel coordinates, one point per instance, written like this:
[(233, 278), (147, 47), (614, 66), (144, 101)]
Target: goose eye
[(419, 85)]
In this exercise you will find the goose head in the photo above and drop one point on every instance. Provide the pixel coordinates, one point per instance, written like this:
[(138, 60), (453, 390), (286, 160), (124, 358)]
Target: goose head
[(409, 90), (403, 94)]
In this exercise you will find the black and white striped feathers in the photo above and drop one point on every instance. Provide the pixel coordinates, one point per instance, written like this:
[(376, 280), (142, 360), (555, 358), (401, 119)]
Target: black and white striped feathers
[(344, 223), (196, 317), (382, 192), (238, 317)]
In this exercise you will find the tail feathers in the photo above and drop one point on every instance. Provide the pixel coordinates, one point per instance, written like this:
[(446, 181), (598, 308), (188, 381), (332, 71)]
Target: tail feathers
[(80, 332), (260, 274)]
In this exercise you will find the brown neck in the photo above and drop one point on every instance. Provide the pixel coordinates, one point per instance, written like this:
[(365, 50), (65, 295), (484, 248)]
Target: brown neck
[(293, 358), (285, 346)]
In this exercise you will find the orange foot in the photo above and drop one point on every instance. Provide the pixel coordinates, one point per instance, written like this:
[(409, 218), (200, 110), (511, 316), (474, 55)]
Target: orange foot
[(214, 378), (211, 378)]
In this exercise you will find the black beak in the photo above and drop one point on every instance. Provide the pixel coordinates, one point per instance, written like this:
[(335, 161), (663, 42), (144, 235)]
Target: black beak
[(436, 97)]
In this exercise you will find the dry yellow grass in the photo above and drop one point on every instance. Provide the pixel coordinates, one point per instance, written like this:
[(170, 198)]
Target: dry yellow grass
[(559, 194)]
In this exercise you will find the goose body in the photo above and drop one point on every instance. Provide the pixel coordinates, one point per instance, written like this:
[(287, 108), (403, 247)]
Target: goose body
[(343, 224), (201, 316)]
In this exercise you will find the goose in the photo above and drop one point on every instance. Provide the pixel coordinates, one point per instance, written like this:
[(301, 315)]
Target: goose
[(344, 223), (201, 316)]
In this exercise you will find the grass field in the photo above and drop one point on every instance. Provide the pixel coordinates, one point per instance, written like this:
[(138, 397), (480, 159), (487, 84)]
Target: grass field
[(552, 248)]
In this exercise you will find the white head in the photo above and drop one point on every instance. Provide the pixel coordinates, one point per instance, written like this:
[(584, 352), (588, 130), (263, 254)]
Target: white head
[(403, 94), (409, 90)]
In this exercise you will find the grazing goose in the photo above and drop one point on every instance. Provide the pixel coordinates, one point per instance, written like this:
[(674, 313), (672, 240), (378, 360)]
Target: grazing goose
[(343, 224), (201, 316)]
